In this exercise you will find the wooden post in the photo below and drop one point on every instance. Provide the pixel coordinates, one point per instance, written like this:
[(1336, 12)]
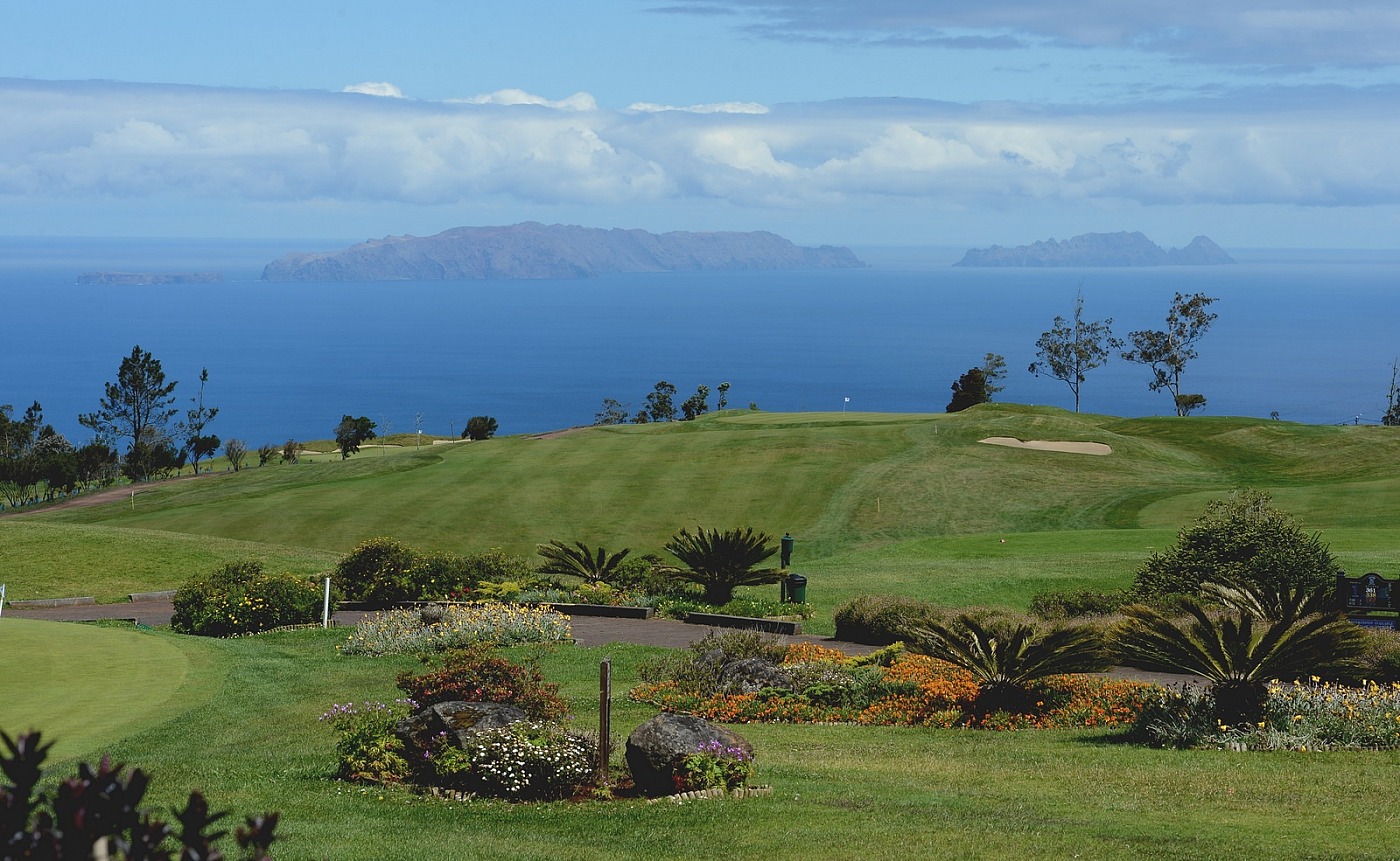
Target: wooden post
[(604, 719)]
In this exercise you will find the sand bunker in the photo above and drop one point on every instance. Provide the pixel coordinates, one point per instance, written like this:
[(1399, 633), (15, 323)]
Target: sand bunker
[(1096, 448)]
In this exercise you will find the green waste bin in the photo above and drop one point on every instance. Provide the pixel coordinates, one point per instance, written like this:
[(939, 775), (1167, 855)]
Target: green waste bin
[(793, 589)]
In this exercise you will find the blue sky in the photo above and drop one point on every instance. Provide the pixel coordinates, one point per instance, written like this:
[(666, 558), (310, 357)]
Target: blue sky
[(1261, 123)]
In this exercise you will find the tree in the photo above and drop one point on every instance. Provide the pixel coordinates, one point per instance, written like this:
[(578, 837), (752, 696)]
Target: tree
[(235, 450), (266, 452), (139, 401), (1265, 634), (696, 405), (722, 561), (291, 451), (594, 566), (660, 404), (969, 390), (993, 371), (351, 432), (613, 412), (1392, 410), (197, 444), (1167, 351), (97, 464), (479, 428), (152, 456), (1006, 658), (722, 390), (1072, 349), (1241, 540)]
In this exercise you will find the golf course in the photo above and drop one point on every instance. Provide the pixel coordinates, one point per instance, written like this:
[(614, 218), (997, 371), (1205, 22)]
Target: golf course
[(918, 505)]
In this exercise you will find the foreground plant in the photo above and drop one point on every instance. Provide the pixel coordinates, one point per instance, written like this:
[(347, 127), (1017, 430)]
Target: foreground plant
[(398, 632), (1005, 658), (98, 814), (714, 766), (1269, 634)]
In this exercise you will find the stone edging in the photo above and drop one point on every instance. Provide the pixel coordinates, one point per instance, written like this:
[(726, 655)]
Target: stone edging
[(748, 623), (714, 792)]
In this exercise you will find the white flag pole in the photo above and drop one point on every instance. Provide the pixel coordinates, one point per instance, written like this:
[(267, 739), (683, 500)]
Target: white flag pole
[(326, 607)]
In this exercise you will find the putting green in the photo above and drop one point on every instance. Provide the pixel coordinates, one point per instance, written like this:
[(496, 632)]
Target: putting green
[(85, 686)]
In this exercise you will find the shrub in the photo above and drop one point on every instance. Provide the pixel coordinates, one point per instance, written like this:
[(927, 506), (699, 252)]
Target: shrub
[(481, 674), (379, 572), (720, 562), (1239, 540), (1380, 662), (1055, 605), (396, 632), (880, 620), (102, 805), (241, 598), (526, 761), (368, 749), (713, 765), (594, 566), (763, 608)]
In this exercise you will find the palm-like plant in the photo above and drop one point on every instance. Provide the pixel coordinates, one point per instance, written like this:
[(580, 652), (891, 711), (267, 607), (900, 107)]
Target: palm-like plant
[(723, 561), (1006, 659), (594, 566), (1263, 635)]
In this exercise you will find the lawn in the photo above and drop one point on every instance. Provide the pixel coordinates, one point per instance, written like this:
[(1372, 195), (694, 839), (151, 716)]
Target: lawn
[(245, 730), (908, 504)]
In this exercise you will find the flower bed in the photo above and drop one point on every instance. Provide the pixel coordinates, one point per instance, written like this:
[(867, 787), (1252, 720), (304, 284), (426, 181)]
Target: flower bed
[(450, 626), (912, 690)]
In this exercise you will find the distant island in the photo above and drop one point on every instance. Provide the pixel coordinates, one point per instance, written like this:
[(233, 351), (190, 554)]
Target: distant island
[(143, 279), (533, 250), (1099, 249)]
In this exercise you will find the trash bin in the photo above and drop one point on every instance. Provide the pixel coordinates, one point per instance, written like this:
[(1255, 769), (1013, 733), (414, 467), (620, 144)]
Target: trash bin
[(793, 589), (785, 556)]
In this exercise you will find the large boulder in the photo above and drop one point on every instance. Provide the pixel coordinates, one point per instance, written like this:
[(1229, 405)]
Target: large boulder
[(751, 675), (459, 720), (655, 748)]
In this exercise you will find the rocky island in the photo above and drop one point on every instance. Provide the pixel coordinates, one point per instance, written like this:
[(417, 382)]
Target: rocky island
[(1099, 249), (533, 250), (145, 279)]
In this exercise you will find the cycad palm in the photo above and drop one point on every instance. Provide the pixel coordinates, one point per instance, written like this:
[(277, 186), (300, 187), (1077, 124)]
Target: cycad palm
[(594, 566), (1006, 659), (1262, 636), (723, 561)]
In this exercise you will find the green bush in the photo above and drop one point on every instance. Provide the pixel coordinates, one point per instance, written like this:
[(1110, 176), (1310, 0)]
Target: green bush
[(480, 674), (764, 608), (380, 571), (880, 620), (1239, 540), (1054, 605), (368, 749), (1381, 660), (241, 598)]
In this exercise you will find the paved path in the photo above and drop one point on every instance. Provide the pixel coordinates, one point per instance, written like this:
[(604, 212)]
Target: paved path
[(588, 631)]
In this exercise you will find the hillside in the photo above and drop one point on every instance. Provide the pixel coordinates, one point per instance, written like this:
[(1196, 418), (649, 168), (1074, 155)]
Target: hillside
[(533, 250), (884, 502)]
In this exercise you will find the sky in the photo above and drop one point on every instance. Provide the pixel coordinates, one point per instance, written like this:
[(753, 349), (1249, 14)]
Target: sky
[(947, 123)]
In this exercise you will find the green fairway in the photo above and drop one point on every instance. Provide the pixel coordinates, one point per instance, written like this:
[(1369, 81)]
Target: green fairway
[(87, 686), (839, 791)]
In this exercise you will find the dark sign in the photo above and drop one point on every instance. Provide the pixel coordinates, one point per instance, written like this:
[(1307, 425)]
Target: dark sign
[(1368, 592)]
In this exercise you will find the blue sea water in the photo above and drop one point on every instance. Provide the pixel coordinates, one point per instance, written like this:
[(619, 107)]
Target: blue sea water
[(1311, 335)]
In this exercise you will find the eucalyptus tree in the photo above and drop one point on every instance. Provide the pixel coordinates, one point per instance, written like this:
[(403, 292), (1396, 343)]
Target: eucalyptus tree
[(1166, 351), (1072, 348)]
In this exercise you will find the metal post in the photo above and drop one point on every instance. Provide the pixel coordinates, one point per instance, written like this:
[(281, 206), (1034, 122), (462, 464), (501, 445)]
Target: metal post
[(326, 607), (604, 718), (2, 598)]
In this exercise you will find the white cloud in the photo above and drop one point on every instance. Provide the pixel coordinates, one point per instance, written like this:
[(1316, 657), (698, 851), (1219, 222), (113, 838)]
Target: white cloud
[(375, 88), (90, 141), (715, 108), (576, 102)]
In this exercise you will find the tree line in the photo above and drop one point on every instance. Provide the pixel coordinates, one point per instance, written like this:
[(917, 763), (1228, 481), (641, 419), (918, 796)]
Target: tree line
[(1073, 347)]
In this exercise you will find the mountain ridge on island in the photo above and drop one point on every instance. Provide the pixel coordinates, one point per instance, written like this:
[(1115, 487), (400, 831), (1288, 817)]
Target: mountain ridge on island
[(1100, 249), (533, 250)]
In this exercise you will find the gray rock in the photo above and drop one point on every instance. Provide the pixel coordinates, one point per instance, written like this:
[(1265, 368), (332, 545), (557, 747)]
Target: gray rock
[(655, 748), (458, 719), (750, 675)]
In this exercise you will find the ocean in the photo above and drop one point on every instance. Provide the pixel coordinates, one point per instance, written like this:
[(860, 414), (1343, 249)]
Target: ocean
[(1307, 334)]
